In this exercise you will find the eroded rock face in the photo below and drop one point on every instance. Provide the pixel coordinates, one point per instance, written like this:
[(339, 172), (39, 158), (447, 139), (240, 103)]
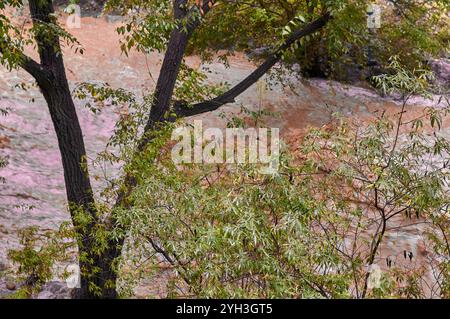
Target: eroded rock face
[(7, 287), (3, 266), (88, 7), (51, 290)]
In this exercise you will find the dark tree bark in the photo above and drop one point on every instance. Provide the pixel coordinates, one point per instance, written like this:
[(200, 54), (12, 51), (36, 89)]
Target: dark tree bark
[(51, 78), (173, 59), (170, 67), (167, 79)]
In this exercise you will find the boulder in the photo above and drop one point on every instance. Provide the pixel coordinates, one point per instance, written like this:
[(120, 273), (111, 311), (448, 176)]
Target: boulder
[(441, 69), (55, 290), (3, 266)]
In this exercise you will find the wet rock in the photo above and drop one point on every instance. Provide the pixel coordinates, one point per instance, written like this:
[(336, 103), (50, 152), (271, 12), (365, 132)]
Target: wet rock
[(10, 285), (4, 292), (3, 266), (113, 18), (55, 290)]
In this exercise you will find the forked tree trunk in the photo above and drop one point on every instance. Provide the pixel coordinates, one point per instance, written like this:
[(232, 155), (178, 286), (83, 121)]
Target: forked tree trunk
[(52, 80)]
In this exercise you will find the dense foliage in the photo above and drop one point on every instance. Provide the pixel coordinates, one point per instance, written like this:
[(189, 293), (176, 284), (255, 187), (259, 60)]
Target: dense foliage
[(315, 229)]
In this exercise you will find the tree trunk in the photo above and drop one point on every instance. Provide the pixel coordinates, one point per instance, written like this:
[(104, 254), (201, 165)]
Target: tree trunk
[(170, 68), (52, 80), (165, 86), (79, 190)]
